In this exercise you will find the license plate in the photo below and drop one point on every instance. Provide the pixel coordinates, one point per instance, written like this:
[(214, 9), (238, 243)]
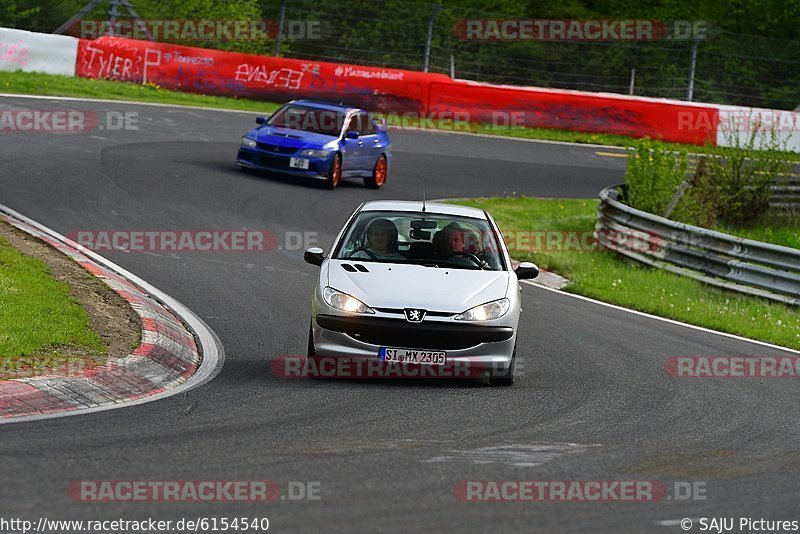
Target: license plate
[(298, 163), (425, 357)]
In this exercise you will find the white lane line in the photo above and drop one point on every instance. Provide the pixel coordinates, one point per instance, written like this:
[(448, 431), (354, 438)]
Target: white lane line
[(518, 455), (130, 102), (611, 154), (662, 319)]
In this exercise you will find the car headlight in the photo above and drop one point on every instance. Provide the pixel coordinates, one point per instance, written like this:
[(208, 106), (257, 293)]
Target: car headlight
[(249, 143), (485, 312), (344, 302), (313, 153)]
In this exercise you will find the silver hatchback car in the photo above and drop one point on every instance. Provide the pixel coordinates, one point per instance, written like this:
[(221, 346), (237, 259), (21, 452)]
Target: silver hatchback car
[(422, 284)]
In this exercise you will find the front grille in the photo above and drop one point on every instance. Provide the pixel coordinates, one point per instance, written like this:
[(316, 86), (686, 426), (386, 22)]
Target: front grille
[(276, 148), (425, 335), (400, 311)]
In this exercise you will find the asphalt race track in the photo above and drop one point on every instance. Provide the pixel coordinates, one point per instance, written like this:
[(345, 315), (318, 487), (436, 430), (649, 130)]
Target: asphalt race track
[(592, 401)]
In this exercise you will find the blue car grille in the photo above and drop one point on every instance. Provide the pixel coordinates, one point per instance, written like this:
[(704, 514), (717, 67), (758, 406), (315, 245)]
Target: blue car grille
[(276, 148)]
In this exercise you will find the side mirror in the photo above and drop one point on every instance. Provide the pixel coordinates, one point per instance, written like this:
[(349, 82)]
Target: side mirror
[(314, 256), (527, 270), (261, 120), (351, 135)]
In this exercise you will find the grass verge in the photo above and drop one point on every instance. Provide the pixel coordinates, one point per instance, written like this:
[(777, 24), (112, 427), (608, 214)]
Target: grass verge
[(32, 83), (41, 326), (606, 276), (781, 231)]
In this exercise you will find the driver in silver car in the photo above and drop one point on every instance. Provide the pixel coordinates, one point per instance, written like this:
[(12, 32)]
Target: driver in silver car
[(448, 241), (449, 244), (381, 242)]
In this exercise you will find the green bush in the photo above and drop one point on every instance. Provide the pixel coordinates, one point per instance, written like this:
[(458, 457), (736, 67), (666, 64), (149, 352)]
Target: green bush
[(699, 203), (653, 175), (734, 189), (728, 189)]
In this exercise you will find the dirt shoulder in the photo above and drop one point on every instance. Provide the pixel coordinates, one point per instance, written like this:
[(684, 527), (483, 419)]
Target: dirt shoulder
[(109, 314)]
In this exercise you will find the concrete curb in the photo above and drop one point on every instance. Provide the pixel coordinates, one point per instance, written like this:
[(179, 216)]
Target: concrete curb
[(169, 359), (545, 278)]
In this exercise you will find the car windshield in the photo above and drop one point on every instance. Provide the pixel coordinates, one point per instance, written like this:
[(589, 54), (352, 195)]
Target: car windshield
[(306, 119), (434, 240)]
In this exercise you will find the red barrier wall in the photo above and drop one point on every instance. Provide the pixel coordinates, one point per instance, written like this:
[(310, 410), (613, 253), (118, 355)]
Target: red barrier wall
[(573, 110), (215, 72)]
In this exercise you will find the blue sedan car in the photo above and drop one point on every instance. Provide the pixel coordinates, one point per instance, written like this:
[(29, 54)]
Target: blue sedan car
[(316, 140)]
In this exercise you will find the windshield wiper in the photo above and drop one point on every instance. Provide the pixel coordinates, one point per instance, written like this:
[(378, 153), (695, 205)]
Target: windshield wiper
[(445, 263)]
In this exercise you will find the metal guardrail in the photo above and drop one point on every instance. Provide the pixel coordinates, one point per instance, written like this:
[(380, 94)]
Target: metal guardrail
[(743, 265), (784, 192), (786, 195)]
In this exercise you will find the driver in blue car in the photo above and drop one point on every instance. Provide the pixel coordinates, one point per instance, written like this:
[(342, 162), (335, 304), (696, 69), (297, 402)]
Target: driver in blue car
[(381, 242)]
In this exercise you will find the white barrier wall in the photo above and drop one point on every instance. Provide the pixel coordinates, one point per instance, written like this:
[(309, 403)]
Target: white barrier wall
[(743, 123), (37, 52)]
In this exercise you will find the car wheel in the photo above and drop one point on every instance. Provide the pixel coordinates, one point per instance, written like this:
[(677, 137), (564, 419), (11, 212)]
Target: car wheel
[(504, 377), (379, 172), (334, 173)]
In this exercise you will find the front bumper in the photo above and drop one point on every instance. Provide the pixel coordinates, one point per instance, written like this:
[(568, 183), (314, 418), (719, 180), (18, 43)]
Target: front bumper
[(254, 158), (360, 338)]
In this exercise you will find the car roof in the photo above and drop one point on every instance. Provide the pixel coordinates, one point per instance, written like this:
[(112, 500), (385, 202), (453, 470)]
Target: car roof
[(324, 105), (415, 206)]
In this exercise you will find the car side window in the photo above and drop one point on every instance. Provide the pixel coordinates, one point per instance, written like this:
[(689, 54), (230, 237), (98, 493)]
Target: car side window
[(352, 126), (365, 126)]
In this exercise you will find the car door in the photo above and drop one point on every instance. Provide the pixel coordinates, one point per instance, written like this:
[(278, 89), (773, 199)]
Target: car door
[(371, 144), (353, 148)]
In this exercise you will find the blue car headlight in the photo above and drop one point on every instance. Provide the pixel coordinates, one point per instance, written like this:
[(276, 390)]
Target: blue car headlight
[(314, 153), (249, 143)]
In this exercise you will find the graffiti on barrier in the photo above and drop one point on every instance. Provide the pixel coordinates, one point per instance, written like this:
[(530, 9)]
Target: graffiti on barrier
[(282, 78), (15, 53)]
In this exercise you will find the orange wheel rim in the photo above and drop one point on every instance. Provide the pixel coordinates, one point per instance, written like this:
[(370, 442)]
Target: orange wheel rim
[(380, 171), (337, 171)]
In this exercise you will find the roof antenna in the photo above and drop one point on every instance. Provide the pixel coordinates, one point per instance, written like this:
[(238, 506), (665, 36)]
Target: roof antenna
[(423, 192)]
